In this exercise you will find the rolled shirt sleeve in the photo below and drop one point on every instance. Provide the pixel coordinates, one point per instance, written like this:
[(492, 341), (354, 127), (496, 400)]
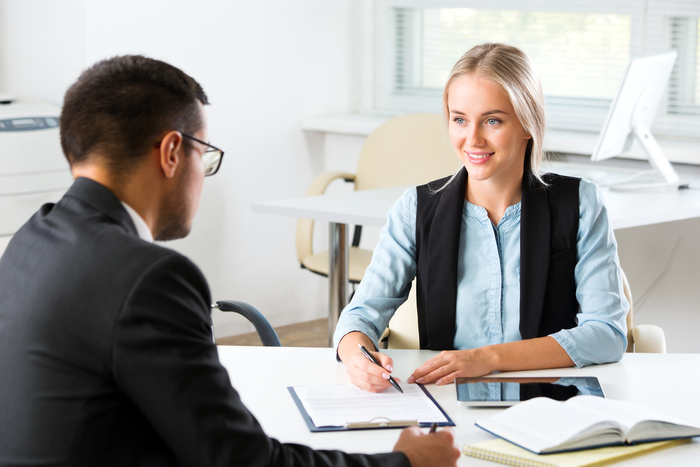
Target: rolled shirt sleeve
[(388, 278), (601, 334)]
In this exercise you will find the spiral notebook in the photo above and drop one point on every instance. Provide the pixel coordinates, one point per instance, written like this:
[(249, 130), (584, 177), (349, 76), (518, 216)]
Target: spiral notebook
[(503, 452)]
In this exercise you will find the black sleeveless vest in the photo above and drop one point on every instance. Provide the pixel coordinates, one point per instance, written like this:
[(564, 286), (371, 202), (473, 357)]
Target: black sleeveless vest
[(548, 230)]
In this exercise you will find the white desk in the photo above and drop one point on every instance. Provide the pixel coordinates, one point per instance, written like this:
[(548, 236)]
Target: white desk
[(668, 382), (369, 207)]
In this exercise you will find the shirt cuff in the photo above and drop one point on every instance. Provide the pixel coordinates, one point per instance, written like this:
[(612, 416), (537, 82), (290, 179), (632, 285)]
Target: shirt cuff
[(567, 344)]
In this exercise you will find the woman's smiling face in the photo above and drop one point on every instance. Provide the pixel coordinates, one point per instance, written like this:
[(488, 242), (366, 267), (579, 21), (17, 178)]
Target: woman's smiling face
[(485, 132)]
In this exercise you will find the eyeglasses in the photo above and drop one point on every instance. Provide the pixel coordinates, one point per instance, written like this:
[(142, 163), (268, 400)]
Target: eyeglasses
[(211, 158)]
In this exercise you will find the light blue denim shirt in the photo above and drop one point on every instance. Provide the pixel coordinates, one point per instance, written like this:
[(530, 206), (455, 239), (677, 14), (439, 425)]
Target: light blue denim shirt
[(488, 293)]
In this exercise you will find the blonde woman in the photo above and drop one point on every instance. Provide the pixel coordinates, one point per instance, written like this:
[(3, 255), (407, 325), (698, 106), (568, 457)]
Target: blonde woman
[(515, 269)]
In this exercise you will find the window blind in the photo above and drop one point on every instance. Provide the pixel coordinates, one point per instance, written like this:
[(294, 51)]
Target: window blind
[(678, 23), (581, 50)]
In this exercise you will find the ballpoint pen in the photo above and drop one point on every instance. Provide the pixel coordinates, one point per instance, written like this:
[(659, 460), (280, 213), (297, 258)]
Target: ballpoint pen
[(371, 358)]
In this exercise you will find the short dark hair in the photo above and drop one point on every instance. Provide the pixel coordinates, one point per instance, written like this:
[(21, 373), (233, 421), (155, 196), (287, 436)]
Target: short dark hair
[(120, 106)]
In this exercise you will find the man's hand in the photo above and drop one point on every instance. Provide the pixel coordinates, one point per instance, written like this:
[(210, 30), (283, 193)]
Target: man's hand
[(433, 450)]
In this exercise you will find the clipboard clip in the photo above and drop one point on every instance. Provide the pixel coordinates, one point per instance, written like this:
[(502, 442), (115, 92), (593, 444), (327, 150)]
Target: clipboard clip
[(381, 422)]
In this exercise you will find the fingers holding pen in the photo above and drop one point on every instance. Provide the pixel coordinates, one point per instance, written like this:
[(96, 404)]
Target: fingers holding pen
[(363, 372), (427, 450), (368, 376), (374, 360), (384, 360)]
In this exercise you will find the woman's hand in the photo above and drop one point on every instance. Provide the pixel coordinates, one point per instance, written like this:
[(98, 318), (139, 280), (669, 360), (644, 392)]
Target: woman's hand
[(451, 364), (368, 376), (363, 373), (530, 354)]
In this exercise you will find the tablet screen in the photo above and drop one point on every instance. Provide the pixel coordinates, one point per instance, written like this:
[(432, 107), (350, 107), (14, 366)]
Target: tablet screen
[(505, 391)]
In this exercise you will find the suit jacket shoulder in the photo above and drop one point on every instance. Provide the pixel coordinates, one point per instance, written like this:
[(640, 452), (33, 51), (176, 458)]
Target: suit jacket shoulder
[(108, 356)]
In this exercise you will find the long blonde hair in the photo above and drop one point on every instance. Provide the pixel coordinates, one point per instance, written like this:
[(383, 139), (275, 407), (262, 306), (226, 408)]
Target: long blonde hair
[(510, 69)]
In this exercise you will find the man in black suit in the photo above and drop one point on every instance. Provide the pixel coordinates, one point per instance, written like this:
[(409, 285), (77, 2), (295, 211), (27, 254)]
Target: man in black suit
[(106, 353)]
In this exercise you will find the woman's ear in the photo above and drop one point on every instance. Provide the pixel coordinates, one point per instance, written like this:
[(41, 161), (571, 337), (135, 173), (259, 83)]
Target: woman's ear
[(169, 155)]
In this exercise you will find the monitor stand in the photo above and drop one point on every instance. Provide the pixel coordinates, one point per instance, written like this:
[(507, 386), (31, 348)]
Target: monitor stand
[(658, 160)]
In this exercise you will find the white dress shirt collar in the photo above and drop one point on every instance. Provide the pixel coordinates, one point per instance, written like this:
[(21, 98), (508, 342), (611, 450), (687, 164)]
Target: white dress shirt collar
[(140, 224)]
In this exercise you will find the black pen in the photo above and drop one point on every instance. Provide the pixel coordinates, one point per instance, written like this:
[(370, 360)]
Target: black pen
[(433, 428), (369, 356)]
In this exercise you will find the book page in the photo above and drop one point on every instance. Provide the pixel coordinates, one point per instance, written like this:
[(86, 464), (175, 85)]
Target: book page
[(338, 405), (627, 414), (542, 423)]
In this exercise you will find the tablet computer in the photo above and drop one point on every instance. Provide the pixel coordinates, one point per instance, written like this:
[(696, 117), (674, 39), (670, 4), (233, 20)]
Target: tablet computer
[(502, 391)]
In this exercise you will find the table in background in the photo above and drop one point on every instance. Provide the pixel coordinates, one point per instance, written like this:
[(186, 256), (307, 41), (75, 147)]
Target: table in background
[(370, 207), (668, 382)]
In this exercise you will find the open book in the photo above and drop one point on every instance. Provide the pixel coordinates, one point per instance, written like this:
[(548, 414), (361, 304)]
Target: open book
[(543, 425)]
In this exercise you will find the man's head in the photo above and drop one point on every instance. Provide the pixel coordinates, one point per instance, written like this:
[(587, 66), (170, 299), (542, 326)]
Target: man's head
[(120, 107), (137, 126)]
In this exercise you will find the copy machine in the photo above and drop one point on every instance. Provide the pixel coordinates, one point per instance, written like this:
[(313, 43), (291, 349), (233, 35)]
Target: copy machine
[(33, 170)]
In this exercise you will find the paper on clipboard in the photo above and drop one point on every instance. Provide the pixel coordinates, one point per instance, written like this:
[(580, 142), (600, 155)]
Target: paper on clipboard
[(344, 405)]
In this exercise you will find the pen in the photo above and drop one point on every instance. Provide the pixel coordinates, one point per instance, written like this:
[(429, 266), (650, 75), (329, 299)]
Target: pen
[(369, 356), (433, 428)]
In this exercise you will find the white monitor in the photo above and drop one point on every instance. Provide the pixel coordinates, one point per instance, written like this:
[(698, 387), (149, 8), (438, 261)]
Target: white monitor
[(631, 115)]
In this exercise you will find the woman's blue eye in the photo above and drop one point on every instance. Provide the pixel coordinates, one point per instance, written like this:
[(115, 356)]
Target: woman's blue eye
[(459, 120), (492, 121)]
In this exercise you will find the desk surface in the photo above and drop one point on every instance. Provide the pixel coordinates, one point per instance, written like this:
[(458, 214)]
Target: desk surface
[(369, 207), (668, 382)]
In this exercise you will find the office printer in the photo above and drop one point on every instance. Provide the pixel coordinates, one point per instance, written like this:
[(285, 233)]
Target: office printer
[(33, 170)]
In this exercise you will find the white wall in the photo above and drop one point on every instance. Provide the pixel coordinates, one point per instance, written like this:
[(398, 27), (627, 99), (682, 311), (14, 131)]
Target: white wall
[(42, 46), (662, 263), (264, 65)]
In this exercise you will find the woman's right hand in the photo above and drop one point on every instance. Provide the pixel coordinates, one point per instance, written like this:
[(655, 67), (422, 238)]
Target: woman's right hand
[(363, 373)]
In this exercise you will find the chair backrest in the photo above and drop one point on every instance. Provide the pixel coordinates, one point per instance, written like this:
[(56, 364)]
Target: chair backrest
[(403, 326), (630, 314), (645, 338), (410, 149)]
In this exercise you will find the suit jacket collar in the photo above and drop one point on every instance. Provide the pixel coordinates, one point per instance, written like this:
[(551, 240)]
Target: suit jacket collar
[(100, 198)]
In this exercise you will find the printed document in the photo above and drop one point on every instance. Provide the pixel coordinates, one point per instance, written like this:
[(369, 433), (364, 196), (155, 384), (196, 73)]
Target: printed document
[(338, 405)]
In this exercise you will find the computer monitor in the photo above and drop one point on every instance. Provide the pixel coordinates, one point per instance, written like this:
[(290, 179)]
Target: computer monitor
[(631, 115)]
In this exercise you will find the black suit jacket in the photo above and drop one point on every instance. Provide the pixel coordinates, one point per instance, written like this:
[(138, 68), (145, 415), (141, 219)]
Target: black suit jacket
[(106, 356)]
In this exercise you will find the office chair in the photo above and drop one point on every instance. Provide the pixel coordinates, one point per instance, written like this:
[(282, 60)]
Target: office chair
[(645, 338), (408, 150), (402, 332), (267, 334)]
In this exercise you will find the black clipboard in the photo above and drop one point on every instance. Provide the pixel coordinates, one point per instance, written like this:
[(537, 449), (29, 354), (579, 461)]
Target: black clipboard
[(375, 424)]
